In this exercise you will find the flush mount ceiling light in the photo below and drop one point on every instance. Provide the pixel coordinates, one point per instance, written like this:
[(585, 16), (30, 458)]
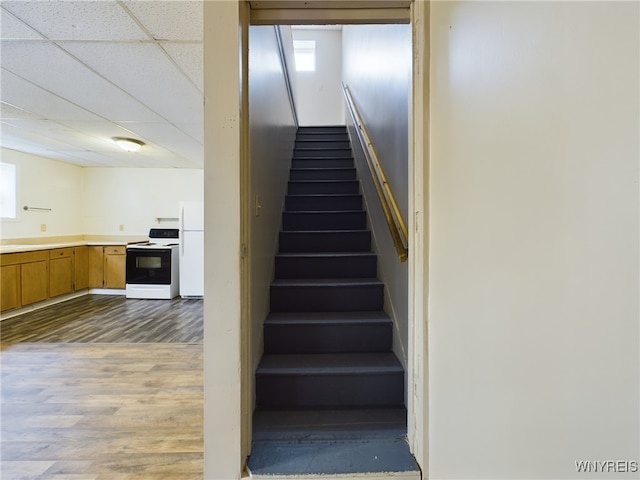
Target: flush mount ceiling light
[(128, 144)]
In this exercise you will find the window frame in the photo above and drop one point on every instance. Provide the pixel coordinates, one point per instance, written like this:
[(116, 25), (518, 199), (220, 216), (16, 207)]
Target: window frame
[(16, 191), (305, 48)]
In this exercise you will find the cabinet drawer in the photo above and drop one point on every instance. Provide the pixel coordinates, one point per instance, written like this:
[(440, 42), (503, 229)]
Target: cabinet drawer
[(60, 253), (10, 259), (25, 257), (120, 250)]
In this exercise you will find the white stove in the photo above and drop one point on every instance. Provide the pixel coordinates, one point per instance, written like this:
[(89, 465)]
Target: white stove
[(152, 268)]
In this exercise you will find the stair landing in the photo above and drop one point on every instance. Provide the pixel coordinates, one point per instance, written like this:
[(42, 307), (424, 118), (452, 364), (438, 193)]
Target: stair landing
[(333, 444)]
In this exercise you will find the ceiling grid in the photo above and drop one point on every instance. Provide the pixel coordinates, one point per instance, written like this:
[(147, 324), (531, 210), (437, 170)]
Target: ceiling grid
[(76, 73)]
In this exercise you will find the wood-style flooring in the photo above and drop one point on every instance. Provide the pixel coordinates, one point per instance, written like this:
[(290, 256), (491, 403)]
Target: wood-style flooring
[(103, 388), (108, 319)]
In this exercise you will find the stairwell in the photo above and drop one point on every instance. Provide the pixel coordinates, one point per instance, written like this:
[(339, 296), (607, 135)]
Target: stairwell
[(329, 390)]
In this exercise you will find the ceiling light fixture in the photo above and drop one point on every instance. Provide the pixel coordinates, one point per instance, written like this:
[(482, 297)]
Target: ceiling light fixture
[(128, 144)]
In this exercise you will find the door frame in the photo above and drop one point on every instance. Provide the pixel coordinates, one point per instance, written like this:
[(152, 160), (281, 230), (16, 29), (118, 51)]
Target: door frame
[(228, 382)]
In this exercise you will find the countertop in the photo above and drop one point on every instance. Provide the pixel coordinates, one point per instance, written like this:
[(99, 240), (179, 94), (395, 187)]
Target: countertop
[(43, 244)]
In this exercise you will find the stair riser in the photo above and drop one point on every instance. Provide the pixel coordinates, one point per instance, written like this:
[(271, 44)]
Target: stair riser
[(321, 152), (298, 242), (323, 267), (330, 391), (323, 130), (317, 338), (304, 221), (329, 144), (322, 163), (326, 298), (322, 174), (341, 137), (320, 203), (311, 187)]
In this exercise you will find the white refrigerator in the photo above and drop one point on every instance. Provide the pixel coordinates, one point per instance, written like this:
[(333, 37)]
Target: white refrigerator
[(191, 249)]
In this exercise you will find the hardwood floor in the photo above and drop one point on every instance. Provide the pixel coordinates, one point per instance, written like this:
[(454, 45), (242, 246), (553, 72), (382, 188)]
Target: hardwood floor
[(108, 319), (103, 388)]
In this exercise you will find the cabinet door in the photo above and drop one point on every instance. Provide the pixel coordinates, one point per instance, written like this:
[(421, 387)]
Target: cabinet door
[(115, 265), (10, 287), (60, 271), (96, 267), (34, 281), (81, 268)]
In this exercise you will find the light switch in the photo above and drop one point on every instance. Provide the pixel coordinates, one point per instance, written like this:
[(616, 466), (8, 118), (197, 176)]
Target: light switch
[(43, 227), (258, 206)]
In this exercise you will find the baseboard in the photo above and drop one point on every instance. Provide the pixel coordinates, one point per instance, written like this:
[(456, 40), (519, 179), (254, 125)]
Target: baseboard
[(107, 291)]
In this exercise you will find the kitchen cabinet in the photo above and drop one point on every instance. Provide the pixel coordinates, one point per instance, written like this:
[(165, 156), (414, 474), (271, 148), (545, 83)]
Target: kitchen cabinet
[(96, 267), (10, 287), (61, 271), (24, 278), (34, 277), (107, 266), (115, 266), (80, 268)]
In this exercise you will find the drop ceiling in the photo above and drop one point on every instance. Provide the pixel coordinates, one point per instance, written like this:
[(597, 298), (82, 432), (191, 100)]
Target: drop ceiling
[(76, 73)]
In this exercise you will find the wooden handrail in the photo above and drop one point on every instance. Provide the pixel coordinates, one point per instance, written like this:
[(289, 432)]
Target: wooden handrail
[(395, 220)]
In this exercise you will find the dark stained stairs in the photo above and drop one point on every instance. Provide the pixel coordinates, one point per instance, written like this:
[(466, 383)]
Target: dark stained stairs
[(328, 385)]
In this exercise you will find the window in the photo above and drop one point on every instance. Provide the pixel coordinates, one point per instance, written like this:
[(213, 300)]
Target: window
[(304, 52), (8, 190)]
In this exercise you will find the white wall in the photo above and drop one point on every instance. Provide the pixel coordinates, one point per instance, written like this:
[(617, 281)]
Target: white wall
[(319, 94), (50, 184), (135, 197), (96, 201), (533, 318), (377, 70), (272, 138)]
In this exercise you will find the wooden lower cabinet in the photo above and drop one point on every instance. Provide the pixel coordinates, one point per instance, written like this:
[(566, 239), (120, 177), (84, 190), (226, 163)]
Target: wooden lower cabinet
[(30, 277), (80, 268), (115, 266), (34, 279), (107, 266), (61, 272), (96, 267), (9, 287)]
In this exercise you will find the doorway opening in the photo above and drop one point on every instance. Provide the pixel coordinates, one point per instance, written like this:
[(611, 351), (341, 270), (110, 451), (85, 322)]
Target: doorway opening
[(297, 343), (234, 310)]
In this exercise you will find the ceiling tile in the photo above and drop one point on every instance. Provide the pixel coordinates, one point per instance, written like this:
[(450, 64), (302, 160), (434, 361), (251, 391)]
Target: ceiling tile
[(19, 92), (8, 111), (33, 132), (12, 28), (145, 72), (189, 56), (171, 139), (52, 69), (170, 20), (194, 130), (97, 135), (77, 20)]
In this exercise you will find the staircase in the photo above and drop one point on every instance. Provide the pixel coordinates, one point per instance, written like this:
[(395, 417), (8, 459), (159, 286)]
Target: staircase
[(329, 390)]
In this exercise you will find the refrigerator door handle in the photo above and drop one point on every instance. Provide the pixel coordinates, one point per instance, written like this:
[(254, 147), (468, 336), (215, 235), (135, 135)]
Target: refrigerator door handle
[(182, 232)]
